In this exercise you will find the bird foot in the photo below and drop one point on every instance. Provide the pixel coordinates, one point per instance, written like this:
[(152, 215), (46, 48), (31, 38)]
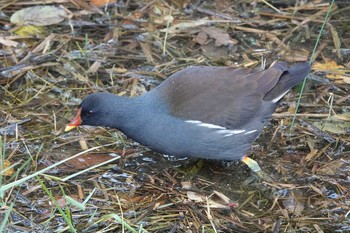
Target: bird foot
[(254, 166)]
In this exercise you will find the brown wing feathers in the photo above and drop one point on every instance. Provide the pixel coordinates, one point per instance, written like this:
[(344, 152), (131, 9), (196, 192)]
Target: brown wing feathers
[(225, 96)]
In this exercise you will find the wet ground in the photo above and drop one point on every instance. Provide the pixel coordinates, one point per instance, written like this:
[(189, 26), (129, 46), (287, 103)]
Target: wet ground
[(120, 49)]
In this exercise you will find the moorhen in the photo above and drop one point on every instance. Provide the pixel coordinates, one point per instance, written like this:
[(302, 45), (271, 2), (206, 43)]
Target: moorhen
[(201, 111)]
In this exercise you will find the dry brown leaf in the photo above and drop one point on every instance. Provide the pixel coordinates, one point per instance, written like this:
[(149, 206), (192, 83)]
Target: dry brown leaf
[(202, 38), (333, 126), (187, 25), (213, 52), (346, 79), (343, 116), (39, 16), (331, 168), (199, 198), (101, 3), (296, 56), (94, 67), (215, 205), (327, 66), (333, 70), (147, 51), (186, 184), (336, 40), (223, 197), (311, 154), (294, 202), (8, 172), (85, 161), (220, 36), (195, 196)]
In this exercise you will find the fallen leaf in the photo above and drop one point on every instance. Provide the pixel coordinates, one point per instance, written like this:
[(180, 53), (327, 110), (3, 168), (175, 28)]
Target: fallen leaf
[(199, 198), (188, 25), (337, 124), (101, 3), (195, 196), (336, 127), (311, 154), (39, 16), (296, 56), (327, 66), (331, 168), (294, 202), (332, 70), (343, 116), (9, 171), (336, 40), (220, 36), (30, 30), (213, 52), (346, 79), (202, 38), (186, 184), (223, 197)]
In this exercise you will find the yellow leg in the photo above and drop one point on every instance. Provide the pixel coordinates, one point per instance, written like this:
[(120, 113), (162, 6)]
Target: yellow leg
[(194, 169), (252, 164)]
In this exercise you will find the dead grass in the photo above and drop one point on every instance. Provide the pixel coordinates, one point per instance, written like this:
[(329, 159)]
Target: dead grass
[(128, 49)]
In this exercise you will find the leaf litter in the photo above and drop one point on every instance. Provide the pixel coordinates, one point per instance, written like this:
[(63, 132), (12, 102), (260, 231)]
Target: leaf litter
[(128, 48)]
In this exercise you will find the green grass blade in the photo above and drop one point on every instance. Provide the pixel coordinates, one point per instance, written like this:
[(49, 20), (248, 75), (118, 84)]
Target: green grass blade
[(310, 62), (20, 181), (121, 221), (6, 218), (66, 218)]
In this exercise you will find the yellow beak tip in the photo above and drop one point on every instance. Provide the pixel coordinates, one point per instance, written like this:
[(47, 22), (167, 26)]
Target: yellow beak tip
[(69, 128)]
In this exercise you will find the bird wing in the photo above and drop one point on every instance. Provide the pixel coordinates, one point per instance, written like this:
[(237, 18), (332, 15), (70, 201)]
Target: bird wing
[(221, 96)]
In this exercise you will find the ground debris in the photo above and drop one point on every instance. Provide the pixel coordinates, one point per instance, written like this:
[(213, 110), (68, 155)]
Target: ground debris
[(128, 48)]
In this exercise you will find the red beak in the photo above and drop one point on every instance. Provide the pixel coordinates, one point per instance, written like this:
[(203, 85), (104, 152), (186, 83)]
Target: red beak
[(75, 122)]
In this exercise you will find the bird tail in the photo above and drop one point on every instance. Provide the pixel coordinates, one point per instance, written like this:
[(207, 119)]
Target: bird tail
[(290, 77)]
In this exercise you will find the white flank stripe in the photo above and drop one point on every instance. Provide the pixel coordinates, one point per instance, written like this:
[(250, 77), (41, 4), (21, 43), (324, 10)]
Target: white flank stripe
[(221, 130), (210, 126), (252, 131)]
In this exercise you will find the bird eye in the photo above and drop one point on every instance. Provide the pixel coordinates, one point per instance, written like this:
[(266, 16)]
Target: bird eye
[(89, 113)]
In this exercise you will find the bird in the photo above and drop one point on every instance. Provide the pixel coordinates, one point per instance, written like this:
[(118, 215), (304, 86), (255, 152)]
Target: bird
[(207, 112)]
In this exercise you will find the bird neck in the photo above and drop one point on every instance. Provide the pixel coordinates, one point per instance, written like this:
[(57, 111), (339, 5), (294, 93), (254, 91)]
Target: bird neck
[(121, 112), (134, 113)]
